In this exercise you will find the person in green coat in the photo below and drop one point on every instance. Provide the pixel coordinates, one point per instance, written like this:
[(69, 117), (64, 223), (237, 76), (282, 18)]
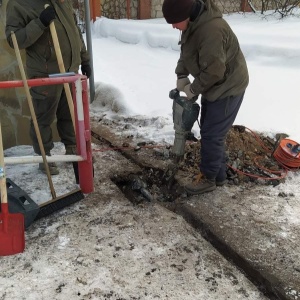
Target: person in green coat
[(210, 54), (30, 20)]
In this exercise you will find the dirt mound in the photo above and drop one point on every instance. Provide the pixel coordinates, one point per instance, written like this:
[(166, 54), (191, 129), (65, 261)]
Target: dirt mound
[(249, 157)]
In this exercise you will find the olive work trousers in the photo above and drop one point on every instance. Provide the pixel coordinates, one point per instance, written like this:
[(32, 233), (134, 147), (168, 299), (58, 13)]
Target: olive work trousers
[(50, 102), (216, 119)]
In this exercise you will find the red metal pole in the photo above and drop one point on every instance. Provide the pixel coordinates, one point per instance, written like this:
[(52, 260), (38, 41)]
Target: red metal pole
[(39, 81), (83, 140), (128, 9), (95, 9)]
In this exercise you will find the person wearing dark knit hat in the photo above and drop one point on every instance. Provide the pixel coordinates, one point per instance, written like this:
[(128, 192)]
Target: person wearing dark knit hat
[(176, 11), (210, 55)]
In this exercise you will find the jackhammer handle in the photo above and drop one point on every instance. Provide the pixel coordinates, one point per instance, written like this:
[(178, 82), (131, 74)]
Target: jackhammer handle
[(173, 94), (62, 69), (182, 101)]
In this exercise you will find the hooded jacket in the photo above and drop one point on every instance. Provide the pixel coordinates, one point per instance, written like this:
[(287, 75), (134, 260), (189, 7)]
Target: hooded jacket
[(22, 17), (210, 52)]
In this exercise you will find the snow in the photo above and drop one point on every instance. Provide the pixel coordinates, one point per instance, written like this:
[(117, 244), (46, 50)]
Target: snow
[(134, 63), (142, 81)]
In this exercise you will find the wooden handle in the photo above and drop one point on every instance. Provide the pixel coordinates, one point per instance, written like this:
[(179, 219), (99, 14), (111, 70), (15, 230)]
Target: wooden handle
[(2, 172), (62, 68), (32, 112)]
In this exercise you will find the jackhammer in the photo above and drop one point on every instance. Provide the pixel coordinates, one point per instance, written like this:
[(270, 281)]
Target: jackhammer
[(185, 114)]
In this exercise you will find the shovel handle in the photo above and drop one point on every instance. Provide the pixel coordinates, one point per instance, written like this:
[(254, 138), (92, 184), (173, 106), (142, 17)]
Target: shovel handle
[(2, 172), (62, 69), (32, 112)]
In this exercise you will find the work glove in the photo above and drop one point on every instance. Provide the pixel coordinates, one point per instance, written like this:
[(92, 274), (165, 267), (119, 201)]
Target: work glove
[(181, 83), (86, 70), (189, 92), (47, 15)]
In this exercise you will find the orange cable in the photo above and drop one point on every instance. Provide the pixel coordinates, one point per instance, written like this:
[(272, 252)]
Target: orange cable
[(258, 139), (257, 176), (282, 157), (282, 175)]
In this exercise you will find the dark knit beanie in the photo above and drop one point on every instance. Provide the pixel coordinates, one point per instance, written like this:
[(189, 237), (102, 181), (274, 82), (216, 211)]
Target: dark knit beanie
[(176, 11)]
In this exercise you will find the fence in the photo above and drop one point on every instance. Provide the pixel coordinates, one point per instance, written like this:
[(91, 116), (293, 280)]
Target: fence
[(142, 9)]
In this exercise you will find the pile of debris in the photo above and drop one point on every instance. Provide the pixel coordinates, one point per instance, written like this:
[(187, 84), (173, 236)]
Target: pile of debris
[(249, 157)]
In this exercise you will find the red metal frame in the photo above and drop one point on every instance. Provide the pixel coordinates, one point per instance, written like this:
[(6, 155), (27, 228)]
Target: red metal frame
[(39, 81), (83, 131), (83, 140)]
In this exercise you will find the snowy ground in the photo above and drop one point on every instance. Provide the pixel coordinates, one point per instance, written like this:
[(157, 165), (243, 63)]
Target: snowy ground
[(106, 248), (134, 65)]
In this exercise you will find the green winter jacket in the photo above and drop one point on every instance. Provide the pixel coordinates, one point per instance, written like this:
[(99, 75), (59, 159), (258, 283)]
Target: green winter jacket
[(22, 17), (210, 52)]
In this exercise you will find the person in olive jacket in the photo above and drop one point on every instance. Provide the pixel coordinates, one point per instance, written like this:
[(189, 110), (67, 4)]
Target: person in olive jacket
[(29, 20), (211, 55)]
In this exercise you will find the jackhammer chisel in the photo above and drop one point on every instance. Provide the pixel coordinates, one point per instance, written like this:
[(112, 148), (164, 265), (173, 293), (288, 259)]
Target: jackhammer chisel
[(185, 114)]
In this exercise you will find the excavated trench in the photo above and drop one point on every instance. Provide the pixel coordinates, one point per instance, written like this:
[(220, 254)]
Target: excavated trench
[(149, 187)]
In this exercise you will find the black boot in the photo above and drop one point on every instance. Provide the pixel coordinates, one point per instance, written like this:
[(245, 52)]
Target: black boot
[(199, 187)]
